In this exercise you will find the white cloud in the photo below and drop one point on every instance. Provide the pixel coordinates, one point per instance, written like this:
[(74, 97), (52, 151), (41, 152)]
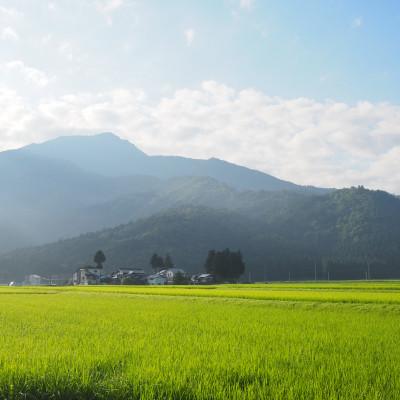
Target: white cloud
[(357, 22), (30, 74), (107, 7), (189, 36), (322, 143), (70, 52), (9, 33), (246, 4), (46, 39), (9, 18), (65, 49), (7, 13)]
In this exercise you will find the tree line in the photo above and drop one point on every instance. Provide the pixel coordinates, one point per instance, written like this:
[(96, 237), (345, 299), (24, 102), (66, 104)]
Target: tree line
[(225, 265)]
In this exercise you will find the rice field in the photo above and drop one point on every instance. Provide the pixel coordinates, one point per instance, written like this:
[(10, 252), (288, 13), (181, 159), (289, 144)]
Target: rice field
[(308, 340)]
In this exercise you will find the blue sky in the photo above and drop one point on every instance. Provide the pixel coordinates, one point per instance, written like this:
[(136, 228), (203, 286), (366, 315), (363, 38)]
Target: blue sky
[(315, 82), (343, 50)]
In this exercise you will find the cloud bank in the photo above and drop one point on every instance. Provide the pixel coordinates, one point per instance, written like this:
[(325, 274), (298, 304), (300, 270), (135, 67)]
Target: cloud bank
[(27, 73), (309, 142), (9, 33)]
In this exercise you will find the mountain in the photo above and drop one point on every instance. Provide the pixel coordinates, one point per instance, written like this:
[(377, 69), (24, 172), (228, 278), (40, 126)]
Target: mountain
[(108, 155), (44, 198), (339, 233), (47, 199), (104, 154), (72, 185)]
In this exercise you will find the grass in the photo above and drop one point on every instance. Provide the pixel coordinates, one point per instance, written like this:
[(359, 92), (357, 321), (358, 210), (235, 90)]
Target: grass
[(277, 341)]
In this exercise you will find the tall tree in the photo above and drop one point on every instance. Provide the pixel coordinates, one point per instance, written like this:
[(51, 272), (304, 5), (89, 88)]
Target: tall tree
[(168, 263), (156, 262), (99, 258), (226, 264), (238, 264), (209, 265)]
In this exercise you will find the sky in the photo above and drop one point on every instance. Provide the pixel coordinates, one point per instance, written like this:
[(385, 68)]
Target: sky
[(305, 90)]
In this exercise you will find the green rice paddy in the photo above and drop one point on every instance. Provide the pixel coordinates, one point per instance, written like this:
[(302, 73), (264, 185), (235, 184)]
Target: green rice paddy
[(267, 341)]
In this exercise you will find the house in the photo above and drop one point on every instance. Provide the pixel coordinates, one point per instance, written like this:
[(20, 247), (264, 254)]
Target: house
[(130, 276), (125, 272), (157, 279), (87, 276), (131, 270), (170, 274), (14, 283), (35, 280), (202, 279)]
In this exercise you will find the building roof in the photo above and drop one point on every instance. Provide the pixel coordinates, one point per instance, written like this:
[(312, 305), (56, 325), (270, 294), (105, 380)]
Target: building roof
[(88, 267), (155, 276)]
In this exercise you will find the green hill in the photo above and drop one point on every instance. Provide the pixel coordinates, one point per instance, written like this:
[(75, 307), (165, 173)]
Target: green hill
[(340, 234)]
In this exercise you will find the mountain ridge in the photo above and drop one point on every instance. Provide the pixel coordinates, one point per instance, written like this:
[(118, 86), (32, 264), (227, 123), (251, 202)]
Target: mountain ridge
[(95, 154), (77, 184), (340, 233)]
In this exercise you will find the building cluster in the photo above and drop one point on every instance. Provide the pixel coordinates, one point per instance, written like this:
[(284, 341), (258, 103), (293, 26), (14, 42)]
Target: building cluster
[(90, 275), (95, 276)]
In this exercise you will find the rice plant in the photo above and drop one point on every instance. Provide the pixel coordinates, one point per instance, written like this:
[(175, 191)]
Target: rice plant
[(235, 342)]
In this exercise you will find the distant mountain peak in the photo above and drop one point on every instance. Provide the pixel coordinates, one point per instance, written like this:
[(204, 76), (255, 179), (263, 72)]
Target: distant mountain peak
[(80, 140), (105, 153), (110, 137), (109, 155)]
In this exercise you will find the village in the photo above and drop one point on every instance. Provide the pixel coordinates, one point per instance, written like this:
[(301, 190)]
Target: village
[(92, 275), (164, 272)]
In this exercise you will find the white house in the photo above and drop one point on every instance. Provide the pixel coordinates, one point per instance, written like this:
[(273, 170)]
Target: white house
[(170, 273), (87, 276), (14, 283)]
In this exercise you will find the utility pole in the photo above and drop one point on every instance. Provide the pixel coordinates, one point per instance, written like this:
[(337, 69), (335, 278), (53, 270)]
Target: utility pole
[(289, 276)]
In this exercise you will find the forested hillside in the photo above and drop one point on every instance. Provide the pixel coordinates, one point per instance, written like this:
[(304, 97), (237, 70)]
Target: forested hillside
[(341, 235)]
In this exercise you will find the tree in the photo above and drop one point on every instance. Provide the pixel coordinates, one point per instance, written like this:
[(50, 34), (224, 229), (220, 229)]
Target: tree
[(156, 262), (225, 265), (168, 263), (209, 265), (236, 264), (179, 279), (99, 258)]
